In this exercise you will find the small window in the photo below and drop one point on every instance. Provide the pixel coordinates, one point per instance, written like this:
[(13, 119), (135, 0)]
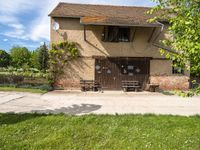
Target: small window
[(116, 34), (177, 70)]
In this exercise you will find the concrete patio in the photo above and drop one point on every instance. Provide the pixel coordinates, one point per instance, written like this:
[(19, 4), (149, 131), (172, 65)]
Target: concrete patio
[(78, 103)]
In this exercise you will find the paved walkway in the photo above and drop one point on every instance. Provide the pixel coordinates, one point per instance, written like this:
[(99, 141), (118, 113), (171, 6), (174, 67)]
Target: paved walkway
[(78, 103)]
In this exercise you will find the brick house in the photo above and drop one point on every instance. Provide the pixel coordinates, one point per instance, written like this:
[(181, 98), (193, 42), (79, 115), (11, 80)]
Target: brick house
[(116, 43)]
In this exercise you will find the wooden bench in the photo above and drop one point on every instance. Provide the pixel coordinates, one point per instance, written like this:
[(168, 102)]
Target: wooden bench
[(153, 87), (89, 85), (128, 85)]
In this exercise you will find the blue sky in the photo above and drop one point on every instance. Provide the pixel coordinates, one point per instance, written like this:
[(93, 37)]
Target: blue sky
[(26, 22)]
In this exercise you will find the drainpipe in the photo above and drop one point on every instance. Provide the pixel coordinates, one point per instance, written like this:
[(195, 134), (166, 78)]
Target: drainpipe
[(161, 30), (159, 45)]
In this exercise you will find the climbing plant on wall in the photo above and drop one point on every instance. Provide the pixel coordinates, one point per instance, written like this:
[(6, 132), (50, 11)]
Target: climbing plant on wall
[(59, 55)]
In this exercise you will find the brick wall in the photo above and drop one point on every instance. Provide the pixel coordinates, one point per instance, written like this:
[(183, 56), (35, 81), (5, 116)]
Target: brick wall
[(171, 82), (67, 84)]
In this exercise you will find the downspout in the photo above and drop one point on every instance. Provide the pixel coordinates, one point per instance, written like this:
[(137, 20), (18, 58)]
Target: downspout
[(159, 45), (161, 30), (85, 36)]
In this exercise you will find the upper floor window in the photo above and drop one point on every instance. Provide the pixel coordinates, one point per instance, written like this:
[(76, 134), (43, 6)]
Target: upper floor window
[(116, 34)]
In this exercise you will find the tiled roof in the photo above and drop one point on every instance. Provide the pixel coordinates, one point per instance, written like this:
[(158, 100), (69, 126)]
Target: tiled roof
[(104, 14)]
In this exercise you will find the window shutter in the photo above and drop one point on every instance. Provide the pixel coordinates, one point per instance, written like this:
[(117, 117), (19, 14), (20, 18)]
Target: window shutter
[(105, 34), (132, 33)]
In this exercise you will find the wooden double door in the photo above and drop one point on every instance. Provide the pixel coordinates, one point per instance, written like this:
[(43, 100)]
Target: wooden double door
[(110, 72)]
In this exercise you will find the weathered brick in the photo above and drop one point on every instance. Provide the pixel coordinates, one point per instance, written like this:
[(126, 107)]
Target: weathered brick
[(171, 82)]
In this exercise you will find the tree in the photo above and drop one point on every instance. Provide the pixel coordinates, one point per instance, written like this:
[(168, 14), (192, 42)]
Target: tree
[(43, 57), (34, 59), (20, 56), (183, 16), (4, 59)]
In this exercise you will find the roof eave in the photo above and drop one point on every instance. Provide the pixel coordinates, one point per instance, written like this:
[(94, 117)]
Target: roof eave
[(127, 25)]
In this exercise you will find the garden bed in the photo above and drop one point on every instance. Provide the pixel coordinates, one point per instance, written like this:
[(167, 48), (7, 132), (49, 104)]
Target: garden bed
[(12, 79)]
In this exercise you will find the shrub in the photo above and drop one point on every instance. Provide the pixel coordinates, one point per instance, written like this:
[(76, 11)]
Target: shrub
[(9, 79), (4, 59), (26, 72)]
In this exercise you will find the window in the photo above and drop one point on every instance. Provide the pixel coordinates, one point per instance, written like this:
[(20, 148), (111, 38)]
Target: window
[(116, 34), (124, 35), (177, 70)]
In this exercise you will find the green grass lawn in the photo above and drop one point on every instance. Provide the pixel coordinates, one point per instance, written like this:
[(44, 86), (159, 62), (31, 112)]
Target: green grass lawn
[(120, 132), (23, 90)]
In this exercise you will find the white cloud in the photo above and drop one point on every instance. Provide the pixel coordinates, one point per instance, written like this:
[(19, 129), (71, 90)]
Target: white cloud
[(18, 34), (6, 19), (16, 6), (10, 17), (5, 40), (16, 26), (41, 43), (41, 26), (15, 29)]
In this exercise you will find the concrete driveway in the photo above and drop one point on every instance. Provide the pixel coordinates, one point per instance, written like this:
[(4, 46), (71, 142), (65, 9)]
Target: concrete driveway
[(78, 103)]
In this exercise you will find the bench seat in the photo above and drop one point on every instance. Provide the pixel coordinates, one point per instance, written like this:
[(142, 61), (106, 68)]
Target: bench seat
[(127, 85), (88, 85)]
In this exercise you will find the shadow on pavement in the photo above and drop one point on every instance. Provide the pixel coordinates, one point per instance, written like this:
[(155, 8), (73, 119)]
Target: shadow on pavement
[(71, 110)]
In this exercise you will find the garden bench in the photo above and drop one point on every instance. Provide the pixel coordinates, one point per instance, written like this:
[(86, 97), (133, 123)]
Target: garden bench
[(127, 85), (89, 85)]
